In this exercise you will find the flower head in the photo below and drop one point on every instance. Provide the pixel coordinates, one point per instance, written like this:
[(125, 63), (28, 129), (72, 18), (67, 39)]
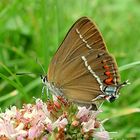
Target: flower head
[(56, 118)]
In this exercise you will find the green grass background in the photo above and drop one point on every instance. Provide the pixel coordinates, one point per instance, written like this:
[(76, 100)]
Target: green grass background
[(31, 29)]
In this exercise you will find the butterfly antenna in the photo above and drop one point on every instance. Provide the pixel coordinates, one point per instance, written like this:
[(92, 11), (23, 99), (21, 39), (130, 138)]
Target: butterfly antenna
[(24, 73), (38, 62)]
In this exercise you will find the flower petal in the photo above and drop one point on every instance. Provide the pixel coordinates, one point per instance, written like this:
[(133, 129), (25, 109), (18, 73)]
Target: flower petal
[(103, 135)]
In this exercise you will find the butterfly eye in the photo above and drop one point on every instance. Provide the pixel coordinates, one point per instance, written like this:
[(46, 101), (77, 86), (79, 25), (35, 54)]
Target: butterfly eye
[(44, 79)]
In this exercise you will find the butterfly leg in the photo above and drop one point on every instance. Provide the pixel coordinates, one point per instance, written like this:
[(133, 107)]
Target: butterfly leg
[(42, 91), (47, 91), (98, 97)]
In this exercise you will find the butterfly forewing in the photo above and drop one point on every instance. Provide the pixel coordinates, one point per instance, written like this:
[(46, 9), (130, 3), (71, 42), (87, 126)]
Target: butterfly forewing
[(82, 37)]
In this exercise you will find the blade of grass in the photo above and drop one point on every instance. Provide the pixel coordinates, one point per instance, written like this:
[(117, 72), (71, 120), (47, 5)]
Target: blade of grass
[(9, 71), (9, 95), (57, 11), (32, 85), (14, 49), (128, 66), (44, 37), (14, 84), (113, 113)]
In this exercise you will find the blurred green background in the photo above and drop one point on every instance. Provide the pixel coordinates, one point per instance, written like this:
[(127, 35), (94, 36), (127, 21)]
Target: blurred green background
[(34, 29)]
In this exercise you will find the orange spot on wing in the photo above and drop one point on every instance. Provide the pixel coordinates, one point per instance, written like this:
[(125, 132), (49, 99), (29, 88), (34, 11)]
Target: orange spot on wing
[(106, 67), (109, 81), (108, 73)]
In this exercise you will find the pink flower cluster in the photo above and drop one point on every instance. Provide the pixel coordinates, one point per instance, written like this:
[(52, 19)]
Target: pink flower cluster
[(44, 122)]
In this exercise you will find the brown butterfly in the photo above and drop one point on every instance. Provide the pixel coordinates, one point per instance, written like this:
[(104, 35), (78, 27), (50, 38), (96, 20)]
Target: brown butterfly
[(82, 70)]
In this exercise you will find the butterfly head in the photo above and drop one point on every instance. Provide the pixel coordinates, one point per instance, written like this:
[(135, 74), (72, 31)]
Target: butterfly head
[(44, 79)]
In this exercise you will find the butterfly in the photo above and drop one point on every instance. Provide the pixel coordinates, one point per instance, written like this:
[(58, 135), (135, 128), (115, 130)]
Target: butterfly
[(82, 70)]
